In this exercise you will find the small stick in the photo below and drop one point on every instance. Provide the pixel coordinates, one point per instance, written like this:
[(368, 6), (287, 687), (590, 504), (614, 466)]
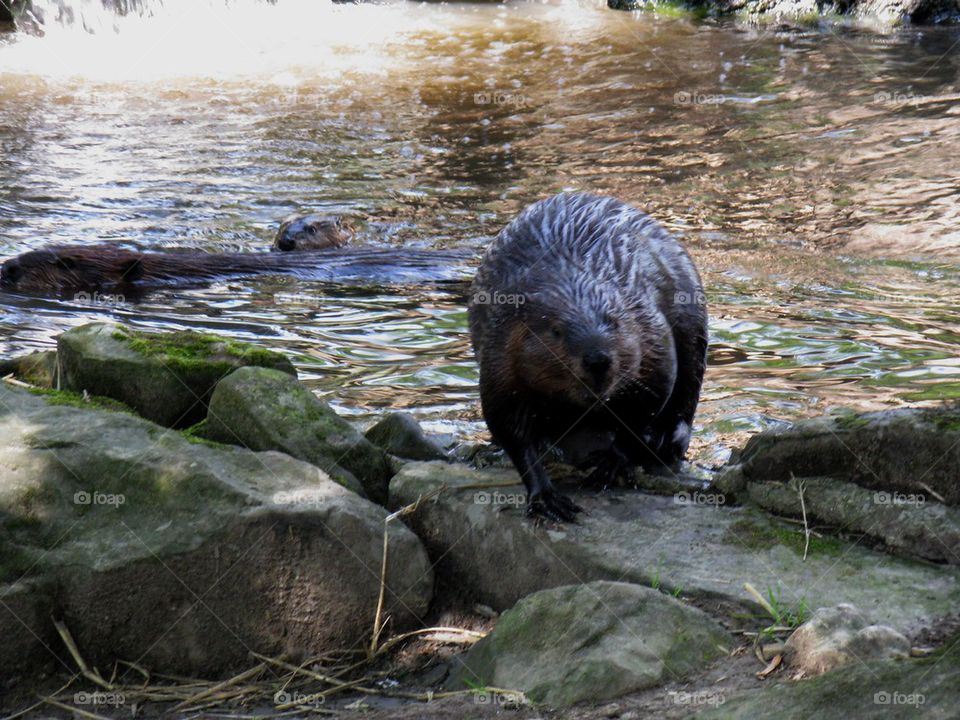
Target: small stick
[(246, 675), (91, 675), (933, 492), (801, 486)]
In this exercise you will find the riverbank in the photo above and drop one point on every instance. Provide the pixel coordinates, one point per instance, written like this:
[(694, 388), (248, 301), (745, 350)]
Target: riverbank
[(237, 536)]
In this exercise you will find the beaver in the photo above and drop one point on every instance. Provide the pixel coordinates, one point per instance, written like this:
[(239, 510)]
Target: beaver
[(589, 324), (311, 232), (64, 269)]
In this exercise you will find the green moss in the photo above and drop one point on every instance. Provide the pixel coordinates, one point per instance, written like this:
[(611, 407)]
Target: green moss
[(754, 536), (185, 349), (75, 399), (947, 420), (851, 421), (196, 434)]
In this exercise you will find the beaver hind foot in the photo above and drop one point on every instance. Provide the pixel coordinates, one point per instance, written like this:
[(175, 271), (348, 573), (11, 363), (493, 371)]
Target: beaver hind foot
[(553, 505)]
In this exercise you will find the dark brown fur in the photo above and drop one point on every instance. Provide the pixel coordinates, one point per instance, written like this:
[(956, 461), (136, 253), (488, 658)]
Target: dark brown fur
[(590, 328)]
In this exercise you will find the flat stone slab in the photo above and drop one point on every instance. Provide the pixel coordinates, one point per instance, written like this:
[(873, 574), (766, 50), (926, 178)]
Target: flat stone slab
[(689, 544)]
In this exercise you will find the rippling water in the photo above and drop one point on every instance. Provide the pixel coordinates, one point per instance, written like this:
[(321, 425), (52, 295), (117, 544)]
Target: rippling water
[(812, 174)]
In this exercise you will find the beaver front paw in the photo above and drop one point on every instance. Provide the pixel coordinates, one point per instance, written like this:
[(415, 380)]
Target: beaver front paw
[(613, 466), (553, 506)]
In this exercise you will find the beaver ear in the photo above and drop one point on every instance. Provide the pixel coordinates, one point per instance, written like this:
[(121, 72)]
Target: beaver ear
[(131, 270)]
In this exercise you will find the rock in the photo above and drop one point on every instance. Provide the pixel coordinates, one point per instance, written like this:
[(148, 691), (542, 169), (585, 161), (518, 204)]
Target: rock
[(894, 689), (594, 642), (182, 555), (39, 368), (835, 636), (908, 522), (400, 434), (165, 377), (908, 450), (265, 409), (485, 547)]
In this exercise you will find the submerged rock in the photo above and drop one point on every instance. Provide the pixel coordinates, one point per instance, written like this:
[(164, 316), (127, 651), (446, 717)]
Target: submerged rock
[(840, 635), (593, 642), (691, 543), (165, 377), (400, 434), (887, 13), (265, 409), (180, 555)]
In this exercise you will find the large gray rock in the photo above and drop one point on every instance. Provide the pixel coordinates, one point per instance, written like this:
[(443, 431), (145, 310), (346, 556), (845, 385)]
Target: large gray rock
[(926, 688), (485, 547), (264, 409), (878, 474), (837, 636), (165, 377), (906, 450), (592, 642), (914, 522), (181, 555)]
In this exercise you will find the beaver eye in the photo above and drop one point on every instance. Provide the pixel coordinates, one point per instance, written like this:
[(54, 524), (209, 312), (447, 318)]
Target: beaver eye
[(312, 229)]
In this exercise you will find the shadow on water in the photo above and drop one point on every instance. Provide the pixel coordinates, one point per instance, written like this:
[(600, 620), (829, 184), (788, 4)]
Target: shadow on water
[(811, 173)]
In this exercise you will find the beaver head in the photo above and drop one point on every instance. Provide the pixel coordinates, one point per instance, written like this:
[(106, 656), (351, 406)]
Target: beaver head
[(579, 351), (65, 268), (311, 232)]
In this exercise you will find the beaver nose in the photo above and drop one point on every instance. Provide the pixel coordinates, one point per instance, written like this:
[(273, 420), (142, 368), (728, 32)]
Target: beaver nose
[(285, 242), (597, 363)]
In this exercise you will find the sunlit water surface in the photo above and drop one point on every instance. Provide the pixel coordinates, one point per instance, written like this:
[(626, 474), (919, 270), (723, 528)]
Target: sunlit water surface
[(812, 174)]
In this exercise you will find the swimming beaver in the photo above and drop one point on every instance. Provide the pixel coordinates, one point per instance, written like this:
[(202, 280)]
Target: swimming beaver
[(311, 232), (589, 324), (62, 270)]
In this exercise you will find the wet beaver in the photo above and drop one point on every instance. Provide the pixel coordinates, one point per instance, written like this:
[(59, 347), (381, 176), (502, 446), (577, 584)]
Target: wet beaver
[(62, 270), (311, 232), (589, 324)]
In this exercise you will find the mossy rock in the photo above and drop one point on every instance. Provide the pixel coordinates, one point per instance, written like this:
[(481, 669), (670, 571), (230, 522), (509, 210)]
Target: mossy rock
[(907, 450), (265, 409), (165, 377), (39, 368), (888, 689), (593, 642), (117, 526)]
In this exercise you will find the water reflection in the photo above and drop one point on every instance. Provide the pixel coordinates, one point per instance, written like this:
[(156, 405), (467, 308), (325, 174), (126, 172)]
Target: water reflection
[(787, 160)]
